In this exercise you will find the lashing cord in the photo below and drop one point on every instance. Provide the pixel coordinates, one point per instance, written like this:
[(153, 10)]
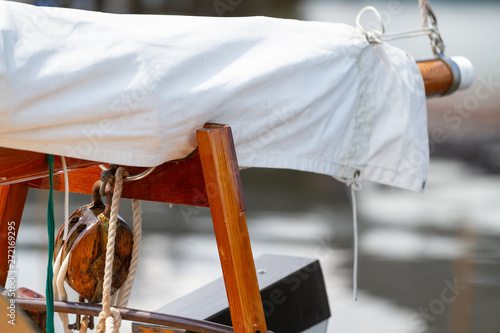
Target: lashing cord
[(49, 293)]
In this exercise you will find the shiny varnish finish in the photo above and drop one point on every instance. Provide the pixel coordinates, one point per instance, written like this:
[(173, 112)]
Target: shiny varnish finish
[(21, 165), (437, 76), (207, 177)]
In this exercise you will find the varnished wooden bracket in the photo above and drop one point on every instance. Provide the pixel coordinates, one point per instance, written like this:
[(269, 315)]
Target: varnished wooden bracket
[(225, 195), (177, 182), (12, 200)]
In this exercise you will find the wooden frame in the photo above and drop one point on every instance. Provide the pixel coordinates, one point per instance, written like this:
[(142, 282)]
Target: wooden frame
[(209, 177)]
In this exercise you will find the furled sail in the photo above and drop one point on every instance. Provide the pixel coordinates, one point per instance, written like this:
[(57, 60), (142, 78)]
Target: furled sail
[(132, 90)]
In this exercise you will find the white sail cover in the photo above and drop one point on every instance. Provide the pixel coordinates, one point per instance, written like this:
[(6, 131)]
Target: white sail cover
[(133, 89)]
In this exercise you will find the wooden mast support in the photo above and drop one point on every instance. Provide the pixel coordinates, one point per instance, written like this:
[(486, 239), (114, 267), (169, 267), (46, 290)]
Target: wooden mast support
[(12, 200), (227, 206), (207, 177)]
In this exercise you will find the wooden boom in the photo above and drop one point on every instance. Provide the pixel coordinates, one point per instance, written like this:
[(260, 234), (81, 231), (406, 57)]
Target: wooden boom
[(443, 76), (439, 75)]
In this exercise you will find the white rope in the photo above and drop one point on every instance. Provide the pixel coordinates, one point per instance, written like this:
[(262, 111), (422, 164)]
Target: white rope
[(424, 14), (57, 269), (66, 197), (57, 285), (126, 288), (61, 277), (114, 297), (372, 35), (355, 184), (84, 325), (60, 271), (107, 321)]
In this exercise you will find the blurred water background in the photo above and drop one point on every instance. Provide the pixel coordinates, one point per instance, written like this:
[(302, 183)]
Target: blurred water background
[(413, 246)]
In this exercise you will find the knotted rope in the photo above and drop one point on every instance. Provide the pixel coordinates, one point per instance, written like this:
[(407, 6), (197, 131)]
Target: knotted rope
[(84, 325), (109, 318)]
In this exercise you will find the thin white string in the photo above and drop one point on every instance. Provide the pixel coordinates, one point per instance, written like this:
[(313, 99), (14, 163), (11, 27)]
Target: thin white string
[(66, 197), (355, 184)]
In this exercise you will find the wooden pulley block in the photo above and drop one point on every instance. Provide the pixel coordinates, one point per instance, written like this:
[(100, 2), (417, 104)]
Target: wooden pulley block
[(86, 246)]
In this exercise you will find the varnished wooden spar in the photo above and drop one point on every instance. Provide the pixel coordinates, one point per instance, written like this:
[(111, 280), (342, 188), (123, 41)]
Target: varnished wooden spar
[(18, 165), (437, 75)]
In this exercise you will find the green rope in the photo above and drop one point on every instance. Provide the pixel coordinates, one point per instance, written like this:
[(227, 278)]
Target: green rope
[(49, 293)]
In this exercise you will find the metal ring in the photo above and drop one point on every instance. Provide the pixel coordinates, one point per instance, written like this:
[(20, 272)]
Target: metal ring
[(457, 77), (437, 43), (139, 176)]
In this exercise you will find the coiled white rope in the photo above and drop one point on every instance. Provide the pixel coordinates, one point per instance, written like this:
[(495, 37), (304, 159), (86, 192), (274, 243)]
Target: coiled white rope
[(356, 185)]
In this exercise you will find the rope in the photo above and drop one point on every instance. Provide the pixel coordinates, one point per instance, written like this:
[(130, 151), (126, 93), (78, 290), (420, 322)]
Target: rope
[(109, 319), (355, 184), (84, 325), (126, 288), (425, 6), (66, 197), (49, 293), (57, 269)]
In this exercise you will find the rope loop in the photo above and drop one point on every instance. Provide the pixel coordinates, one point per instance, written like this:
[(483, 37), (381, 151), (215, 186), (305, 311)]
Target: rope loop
[(429, 28), (355, 181), (117, 318), (372, 35)]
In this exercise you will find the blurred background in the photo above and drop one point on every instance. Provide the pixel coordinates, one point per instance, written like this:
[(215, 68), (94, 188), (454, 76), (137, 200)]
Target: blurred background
[(416, 250)]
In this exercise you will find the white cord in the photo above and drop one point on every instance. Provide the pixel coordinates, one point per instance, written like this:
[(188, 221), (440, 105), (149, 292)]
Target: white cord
[(126, 288), (372, 35), (60, 271), (424, 6), (355, 184), (66, 198), (56, 269)]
